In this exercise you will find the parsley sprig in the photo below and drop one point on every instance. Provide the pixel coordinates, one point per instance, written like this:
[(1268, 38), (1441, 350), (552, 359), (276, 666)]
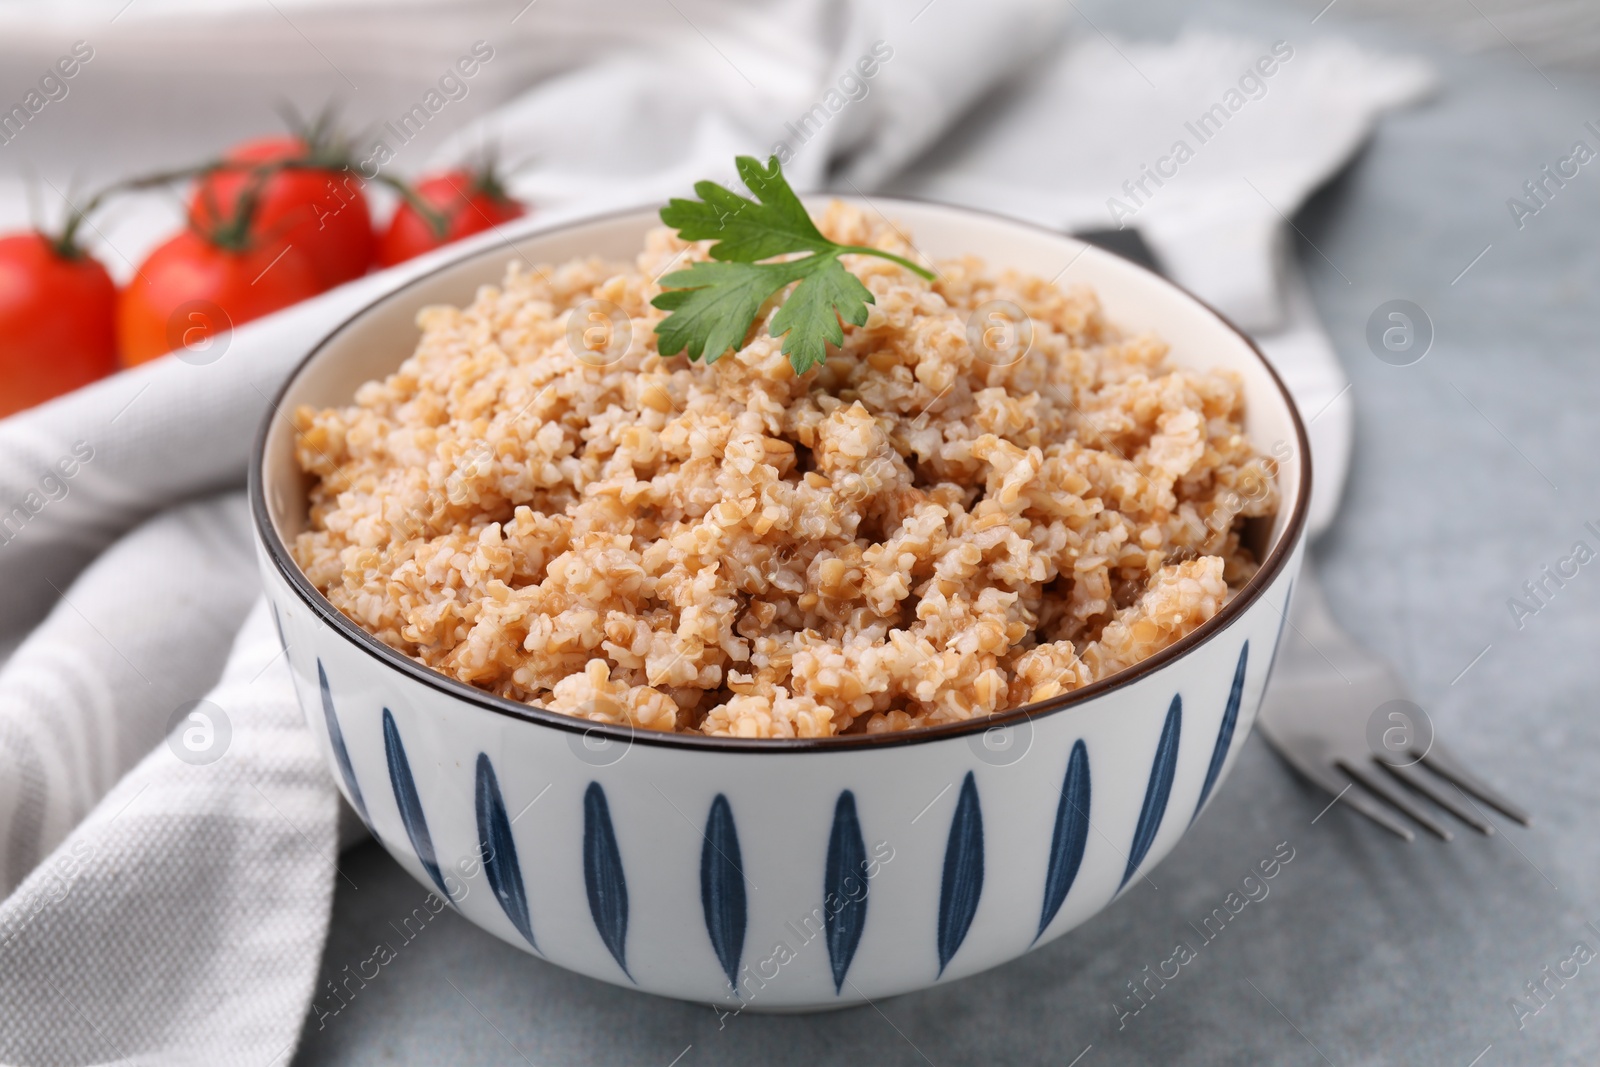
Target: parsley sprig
[(713, 304)]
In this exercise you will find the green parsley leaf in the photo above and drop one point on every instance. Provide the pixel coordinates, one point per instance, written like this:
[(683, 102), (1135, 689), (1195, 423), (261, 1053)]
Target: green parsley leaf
[(809, 320), (747, 231), (713, 305)]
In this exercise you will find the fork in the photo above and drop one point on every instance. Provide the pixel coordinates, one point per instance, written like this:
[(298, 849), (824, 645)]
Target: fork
[(1324, 713)]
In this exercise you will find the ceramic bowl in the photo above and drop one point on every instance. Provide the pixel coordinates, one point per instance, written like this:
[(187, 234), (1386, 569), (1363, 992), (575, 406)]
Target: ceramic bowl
[(781, 875)]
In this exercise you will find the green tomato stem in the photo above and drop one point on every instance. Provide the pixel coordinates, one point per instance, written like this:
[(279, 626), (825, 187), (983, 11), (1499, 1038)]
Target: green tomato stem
[(437, 221), (67, 245)]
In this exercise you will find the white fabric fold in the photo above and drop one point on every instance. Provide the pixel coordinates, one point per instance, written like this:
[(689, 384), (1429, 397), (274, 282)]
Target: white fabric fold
[(1096, 125), (82, 699), (182, 922)]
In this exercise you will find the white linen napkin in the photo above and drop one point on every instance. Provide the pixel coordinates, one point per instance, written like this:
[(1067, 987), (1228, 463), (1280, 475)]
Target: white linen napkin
[(181, 920), (124, 615)]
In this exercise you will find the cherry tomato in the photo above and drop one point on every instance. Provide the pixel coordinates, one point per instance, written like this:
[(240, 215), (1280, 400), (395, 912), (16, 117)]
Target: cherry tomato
[(57, 310), (191, 288), (321, 211), (469, 202)]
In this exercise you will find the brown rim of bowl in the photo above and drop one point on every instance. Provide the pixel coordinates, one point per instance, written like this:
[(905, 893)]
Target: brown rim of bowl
[(1269, 570)]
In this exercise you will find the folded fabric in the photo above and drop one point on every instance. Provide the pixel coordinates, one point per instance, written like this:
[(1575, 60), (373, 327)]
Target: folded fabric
[(1208, 145), (183, 921), (141, 633)]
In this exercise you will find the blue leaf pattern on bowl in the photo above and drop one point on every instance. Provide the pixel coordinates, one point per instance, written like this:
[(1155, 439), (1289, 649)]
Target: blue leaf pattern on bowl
[(603, 879), (722, 888), (962, 882), (341, 754), (1230, 718), (1158, 789), (499, 851), (409, 803), (1070, 836), (844, 888)]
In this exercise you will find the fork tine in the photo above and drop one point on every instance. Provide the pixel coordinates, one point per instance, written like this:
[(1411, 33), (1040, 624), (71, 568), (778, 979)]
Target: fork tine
[(1440, 760), (1386, 789), (1424, 784), (1348, 793), (1359, 801)]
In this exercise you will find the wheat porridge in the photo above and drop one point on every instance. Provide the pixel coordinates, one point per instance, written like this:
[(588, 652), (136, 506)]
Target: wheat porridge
[(910, 534)]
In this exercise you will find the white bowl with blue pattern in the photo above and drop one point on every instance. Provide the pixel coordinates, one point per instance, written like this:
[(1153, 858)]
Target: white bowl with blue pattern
[(782, 875)]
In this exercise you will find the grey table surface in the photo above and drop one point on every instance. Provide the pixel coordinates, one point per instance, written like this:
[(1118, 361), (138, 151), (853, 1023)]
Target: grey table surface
[(1473, 470)]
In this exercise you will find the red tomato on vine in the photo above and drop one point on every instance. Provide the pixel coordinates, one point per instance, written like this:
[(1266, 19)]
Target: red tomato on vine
[(199, 284), (57, 313), (466, 202), (313, 201)]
